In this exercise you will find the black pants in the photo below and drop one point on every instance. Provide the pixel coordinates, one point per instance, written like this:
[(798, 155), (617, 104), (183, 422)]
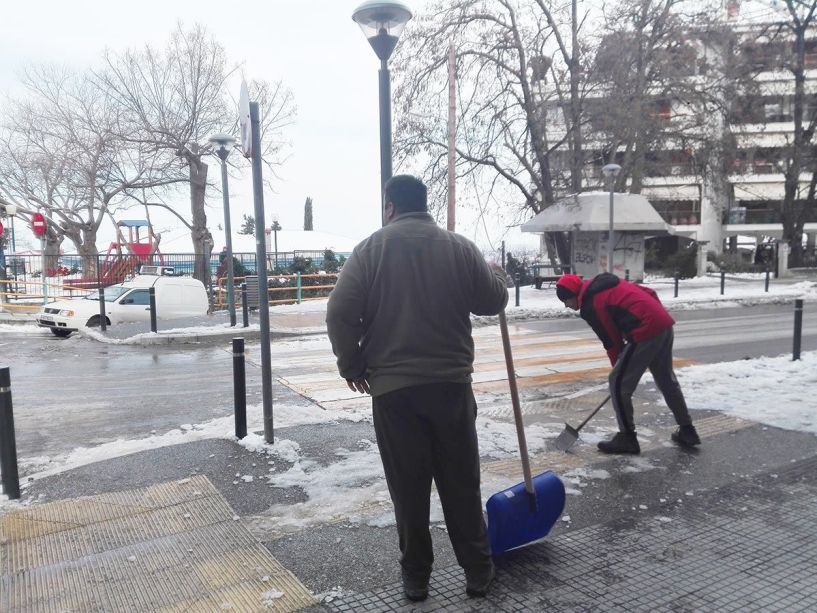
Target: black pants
[(425, 432), (655, 354)]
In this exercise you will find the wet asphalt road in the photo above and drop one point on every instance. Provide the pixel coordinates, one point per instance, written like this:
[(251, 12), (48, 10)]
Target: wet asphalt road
[(721, 335), (78, 392)]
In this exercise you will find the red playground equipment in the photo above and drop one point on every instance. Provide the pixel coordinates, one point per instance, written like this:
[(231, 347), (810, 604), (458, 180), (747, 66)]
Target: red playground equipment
[(123, 258)]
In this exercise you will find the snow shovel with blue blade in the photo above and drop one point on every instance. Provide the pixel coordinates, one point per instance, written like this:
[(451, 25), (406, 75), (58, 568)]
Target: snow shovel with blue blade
[(527, 511)]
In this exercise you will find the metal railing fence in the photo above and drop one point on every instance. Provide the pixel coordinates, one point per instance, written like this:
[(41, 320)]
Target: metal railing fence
[(22, 285)]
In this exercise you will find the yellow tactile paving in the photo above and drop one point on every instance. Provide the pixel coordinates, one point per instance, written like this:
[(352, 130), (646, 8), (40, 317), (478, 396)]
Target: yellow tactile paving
[(168, 547), (583, 456)]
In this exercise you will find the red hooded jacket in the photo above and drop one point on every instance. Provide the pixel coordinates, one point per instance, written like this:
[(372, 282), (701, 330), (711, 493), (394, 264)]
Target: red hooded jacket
[(620, 311)]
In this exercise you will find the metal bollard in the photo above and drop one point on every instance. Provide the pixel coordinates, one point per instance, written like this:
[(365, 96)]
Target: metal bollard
[(516, 283), (768, 272), (677, 275), (239, 388), (8, 446), (298, 288), (245, 308), (626, 274), (798, 328), (723, 280), (102, 318), (153, 325)]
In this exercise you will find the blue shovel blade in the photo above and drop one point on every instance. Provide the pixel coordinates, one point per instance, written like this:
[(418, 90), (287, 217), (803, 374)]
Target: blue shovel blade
[(515, 518)]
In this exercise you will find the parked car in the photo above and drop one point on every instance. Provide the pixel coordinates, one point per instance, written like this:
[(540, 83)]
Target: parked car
[(176, 297)]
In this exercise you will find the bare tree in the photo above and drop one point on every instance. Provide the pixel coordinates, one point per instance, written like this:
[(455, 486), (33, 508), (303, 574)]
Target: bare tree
[(649, 100), (517, 61), (173, 100), (800, 154), (65, 156), (667, 74)]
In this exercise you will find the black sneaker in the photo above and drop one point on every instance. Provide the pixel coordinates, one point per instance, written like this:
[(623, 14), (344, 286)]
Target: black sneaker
[(478, 585), (622, 442), (414, 588), (686, 436)]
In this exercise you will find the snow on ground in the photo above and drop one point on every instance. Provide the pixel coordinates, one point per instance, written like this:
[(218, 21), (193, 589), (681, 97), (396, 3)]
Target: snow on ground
[(22, 329), (776, 391), (696, 293), (773, 391), (221, 427)]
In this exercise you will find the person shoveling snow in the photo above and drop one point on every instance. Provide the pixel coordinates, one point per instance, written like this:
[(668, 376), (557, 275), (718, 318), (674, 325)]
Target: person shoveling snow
[(637, 333)]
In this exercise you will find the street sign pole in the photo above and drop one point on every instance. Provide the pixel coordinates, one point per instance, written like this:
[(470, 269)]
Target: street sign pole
[(260, 260), (39, 228), (45, 281)]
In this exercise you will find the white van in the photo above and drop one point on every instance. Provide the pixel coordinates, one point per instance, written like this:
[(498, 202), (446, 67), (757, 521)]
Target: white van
[(176, 297)]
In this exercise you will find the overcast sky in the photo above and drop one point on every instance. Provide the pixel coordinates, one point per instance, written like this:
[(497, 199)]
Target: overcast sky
[(313, 46)]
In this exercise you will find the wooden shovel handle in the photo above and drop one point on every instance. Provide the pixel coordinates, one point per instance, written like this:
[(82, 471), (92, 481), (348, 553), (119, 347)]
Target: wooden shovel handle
[(517, 411), (589, 417)]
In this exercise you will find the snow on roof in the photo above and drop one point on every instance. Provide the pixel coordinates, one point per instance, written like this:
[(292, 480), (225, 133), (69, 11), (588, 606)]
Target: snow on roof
[(590, 212)]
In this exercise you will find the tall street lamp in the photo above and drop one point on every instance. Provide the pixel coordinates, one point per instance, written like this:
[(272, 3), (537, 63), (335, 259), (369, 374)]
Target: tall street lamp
[(275, 227), (223, 144), (11, 211), (382, 23), (611, 172)]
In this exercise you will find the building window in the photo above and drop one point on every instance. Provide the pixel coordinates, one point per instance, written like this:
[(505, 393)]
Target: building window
[(778, 109)]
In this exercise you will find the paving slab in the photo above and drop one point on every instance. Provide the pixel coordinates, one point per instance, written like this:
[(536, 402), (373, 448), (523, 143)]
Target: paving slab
[(720, 529)]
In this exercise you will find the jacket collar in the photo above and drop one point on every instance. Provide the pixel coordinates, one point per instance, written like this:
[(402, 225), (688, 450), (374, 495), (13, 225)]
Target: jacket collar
[(417, 216)]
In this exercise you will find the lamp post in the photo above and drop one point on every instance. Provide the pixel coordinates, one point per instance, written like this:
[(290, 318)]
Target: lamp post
[(223, 144), (3, 208), (11, 211), (611, 172), (275, 227), (382, 23)]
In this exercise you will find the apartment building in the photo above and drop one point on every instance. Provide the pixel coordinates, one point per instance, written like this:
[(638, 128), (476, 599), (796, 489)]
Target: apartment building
[(716, 195), (761, 125)]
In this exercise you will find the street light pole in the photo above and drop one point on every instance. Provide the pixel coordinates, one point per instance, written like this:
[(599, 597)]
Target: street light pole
[(224, 143), (382, 23), (11, 211), (611, 172), (384, 90)]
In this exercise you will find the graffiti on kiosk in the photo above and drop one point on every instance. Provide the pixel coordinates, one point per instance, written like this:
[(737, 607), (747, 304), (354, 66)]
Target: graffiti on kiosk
[(585, 250), (629, 244)]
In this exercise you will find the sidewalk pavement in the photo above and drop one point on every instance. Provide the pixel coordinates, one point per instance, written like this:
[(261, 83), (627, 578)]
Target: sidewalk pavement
[(197, 527)]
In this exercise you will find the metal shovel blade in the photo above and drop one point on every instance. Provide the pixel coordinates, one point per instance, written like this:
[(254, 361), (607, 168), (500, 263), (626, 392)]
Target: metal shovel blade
[(570, 434), (567, 438)]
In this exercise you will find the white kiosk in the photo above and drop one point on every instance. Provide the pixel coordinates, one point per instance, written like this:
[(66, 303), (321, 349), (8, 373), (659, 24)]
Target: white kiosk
[(587, 217)]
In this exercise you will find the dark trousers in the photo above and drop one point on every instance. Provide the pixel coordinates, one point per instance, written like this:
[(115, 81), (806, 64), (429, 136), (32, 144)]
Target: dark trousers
[(635, 359), (425, 432)]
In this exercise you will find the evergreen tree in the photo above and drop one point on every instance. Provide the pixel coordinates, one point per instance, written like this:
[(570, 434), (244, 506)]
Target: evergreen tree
[(248, 225), (308, 214)]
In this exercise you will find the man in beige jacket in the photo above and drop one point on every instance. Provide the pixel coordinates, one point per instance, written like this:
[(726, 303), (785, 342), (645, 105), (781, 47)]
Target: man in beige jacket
[(399, 323)]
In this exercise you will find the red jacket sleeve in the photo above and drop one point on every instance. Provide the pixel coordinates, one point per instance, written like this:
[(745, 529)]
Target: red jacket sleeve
[(605, 329)]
